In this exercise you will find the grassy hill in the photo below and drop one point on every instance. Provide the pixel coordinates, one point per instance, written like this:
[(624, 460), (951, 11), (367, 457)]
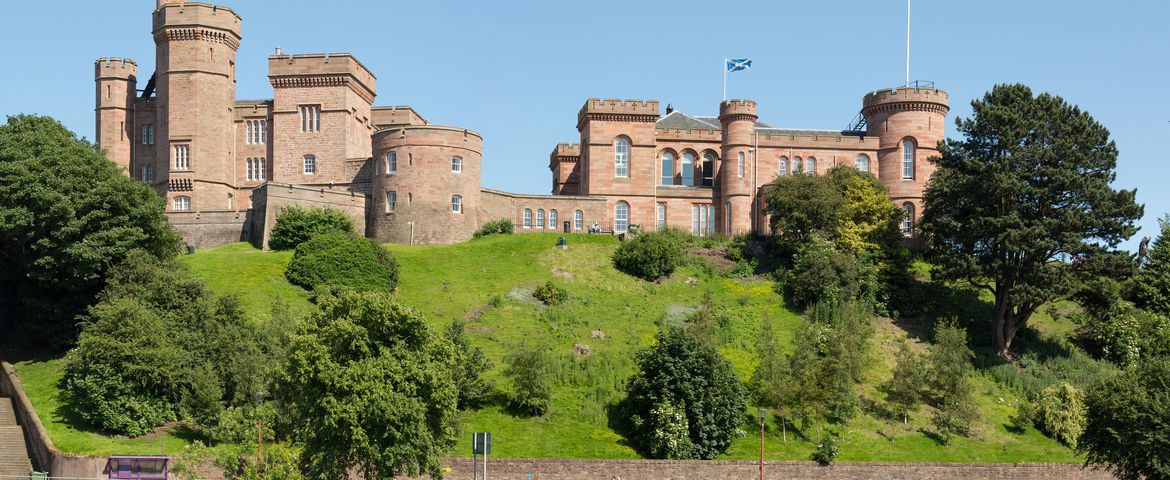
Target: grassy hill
[(489, 281)]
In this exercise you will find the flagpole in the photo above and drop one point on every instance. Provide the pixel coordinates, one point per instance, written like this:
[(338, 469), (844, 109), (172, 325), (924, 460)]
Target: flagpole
[(907, 42), (725, 79)]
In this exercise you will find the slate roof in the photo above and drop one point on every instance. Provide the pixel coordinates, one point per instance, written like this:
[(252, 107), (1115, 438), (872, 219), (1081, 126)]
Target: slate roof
[(677, 120)]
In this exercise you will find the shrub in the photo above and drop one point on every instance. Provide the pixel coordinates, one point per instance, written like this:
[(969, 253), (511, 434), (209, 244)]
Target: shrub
[(823, 273), (1060, 413), (1126, 335), (471, 366), (550, 294), (342, 261), (649, 256), (503, 226), (827, 449), (530, 372), (295, 225)]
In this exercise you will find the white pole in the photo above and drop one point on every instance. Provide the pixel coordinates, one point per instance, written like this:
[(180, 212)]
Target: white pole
[(724, 79), (907, 42)]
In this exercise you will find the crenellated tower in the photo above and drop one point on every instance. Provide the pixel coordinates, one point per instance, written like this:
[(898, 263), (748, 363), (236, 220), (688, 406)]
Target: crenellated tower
[(195, 81), (738, 119), (908, 122), (116, 80), (563, 162)]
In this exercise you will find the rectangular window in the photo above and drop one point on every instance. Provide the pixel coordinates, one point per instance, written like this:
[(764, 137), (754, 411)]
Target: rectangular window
[(310, 165), (150, 133), (391, 201), (182, 154), (144, 137), (391, 162), (182, 204), (661, 216), (456, 164), (310, 118), (456, 204), (701, 220), (148, 172)]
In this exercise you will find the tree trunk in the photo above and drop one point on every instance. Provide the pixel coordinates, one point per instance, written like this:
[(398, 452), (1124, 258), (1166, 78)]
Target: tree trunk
[(999, 324)]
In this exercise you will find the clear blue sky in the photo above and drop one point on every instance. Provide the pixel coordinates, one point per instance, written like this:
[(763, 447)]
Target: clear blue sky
[(517, 72)]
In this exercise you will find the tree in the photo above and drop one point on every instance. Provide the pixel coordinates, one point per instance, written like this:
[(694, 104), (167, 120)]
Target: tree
[(682, 373), (906, 388), (802, 205), (1026, 189), (870, 223), (66, 215), (772, 382), (529, 371), (1128, 427), (1152, 283), (950, 363), (370, 388), (295, 225), (470, 366)]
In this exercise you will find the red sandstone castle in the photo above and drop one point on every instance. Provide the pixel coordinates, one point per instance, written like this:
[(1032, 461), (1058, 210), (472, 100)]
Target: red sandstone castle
[(227, 166)]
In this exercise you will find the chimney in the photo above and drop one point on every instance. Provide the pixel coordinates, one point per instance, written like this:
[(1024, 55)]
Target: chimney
[(278, 52), (669, 108)]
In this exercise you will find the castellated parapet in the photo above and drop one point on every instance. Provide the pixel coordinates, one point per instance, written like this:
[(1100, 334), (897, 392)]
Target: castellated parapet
[(612, 109), (737, 107), (197, 20), (322, 70)]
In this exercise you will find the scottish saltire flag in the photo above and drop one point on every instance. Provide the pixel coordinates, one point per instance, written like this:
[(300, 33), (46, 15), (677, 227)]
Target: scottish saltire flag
[(737, 64)]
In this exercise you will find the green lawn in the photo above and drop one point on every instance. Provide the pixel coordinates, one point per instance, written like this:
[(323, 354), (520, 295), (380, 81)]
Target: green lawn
[(457, 282)]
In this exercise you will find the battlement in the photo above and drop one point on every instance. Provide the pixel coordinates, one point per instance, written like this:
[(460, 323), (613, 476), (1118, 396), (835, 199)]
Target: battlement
[(114, 67), (928, 98), (737, 107), (566, 150), (395, 115), (307, 70), (621, 107), (192, 15)]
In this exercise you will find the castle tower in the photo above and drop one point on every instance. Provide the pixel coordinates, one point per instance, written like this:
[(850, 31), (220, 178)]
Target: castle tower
[(908, 122), (618, 158), (738, 118), (116, 83), (195, 81), (563, 163)]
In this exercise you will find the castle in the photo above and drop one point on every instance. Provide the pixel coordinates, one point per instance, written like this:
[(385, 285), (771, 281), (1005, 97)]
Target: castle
[(227, 167)]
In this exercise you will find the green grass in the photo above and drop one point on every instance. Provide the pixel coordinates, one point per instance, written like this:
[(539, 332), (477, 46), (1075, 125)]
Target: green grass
[(457, 282)]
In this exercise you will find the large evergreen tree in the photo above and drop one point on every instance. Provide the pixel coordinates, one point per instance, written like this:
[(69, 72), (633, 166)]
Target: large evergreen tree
[(1023, 194), (1152, 284), (66, 215)]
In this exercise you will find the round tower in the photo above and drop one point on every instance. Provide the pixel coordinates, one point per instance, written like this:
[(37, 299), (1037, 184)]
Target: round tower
[(908, 122), (426, 184), (738, 118), (116, 80), (195, 81)]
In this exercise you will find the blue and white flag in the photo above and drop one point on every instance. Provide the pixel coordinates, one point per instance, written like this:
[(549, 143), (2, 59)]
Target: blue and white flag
[(737, 64)]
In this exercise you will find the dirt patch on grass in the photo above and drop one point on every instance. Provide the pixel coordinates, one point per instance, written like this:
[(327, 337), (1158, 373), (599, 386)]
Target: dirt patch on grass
[(717, 256)]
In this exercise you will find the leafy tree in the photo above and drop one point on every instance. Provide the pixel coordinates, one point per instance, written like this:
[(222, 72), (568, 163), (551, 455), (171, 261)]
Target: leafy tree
[(801, 206), (342, 261), (1060, 412), (470, 367), (649, 256), (370, 388), (772, 382), (66, 215), (1027, 187), (690, 376), (823, 273), (906, 389), (1152, 284), (950, 363), (1128, 428), (529, 370), (295, 225)]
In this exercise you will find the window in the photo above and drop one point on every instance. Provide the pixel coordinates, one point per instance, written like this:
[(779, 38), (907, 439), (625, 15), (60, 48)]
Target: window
[(456, 164), (667, 168), (688, 169), (907, 159), (727, 217), (150, 134), (797, 165), (621, 157), (144, 137), (740, 166), (810, 165), (708, 169), (248, 132), (409, 159), (391, 201), (456, 204), (256, 167), (783, 166), (552, 219), (310, 165), (863, 162), (540, 218), (701, 220), (182, 204), (182, 157), (255, 131), (230, 201), (391, 161), (661, 216), (578, 220), (621, 217), (148, 172), (527, 218), (310, 118), (907, 219)]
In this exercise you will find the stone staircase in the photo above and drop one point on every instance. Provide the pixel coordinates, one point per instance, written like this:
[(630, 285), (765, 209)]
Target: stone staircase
[(14, 459)]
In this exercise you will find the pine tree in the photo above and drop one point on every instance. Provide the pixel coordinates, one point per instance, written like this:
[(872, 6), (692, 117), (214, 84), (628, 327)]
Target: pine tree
[(1152, 284)]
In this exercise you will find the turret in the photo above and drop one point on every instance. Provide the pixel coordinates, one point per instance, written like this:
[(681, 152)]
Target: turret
[(563, 162), (908, 122), (738, 118), (116, 80)]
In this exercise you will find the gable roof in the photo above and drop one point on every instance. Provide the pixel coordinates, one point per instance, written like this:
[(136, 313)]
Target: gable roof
[(677, 120)]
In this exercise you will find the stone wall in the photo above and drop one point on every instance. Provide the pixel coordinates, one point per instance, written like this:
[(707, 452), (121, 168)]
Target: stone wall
[(497, 205), (270, 198), (206, 229)]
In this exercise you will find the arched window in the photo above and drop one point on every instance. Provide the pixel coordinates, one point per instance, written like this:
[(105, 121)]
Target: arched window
[(456, 164), (540, 218), (230, 201), (708, 169), (456, 204), (621, 217), (578, 220), (688, 169), (621, 157), (740, 166), (527, 218), (391, 161), (810, 165), (661, 216), (667, 168), (863, 162), (907, 159), (783, 166), (310, 165), (391, 201), (908, 219), (181, 204), (797, 165), (552, 219)]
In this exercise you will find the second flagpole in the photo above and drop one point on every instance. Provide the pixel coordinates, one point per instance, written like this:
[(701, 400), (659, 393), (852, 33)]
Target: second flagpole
[(724, 79)]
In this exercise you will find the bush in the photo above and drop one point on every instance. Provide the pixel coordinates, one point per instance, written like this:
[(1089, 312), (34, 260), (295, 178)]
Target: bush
[(1126, 335), (295, 225), (550, 294), (826, 450), (342, 261), (493, 227), (530, 373), (471, 367), (1060, 413), (823, 273), (649, 256), (1128, 427)]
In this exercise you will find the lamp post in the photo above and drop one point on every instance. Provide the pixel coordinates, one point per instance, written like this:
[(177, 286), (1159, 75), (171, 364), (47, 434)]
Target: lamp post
[(259, 429), (763, 412)]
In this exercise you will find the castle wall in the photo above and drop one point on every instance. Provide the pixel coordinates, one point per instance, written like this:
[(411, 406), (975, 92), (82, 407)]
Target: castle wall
[(211, 228), (497, 205), (894, 115), (271, 198)]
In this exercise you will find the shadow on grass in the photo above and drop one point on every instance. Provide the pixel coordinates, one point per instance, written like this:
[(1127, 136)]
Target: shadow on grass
[(933, 436)]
